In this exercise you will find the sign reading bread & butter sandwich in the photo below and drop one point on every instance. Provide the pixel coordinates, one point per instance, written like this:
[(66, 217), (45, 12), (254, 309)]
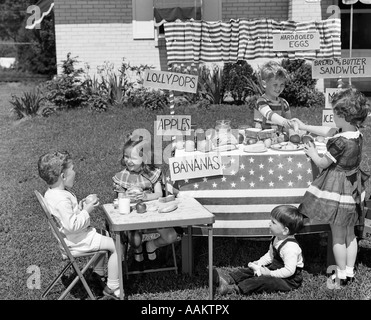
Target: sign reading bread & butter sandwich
[(356, 67), (171, 125), (170, 81), (296, 41), (195, 166)]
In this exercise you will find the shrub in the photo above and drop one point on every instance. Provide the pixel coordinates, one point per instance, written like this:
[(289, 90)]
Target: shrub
[(209, 85), (235, 77), (300, 89), (149, 99), (67, 90), (29, 104)]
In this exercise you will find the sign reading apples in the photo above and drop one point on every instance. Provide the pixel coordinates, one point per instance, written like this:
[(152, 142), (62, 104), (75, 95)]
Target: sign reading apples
[(173, 125)]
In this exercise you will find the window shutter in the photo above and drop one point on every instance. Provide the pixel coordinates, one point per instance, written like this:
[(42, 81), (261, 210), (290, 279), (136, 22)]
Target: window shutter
[(143, 25)]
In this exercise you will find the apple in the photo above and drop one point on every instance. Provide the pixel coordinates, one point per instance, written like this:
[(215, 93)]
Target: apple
[(295, 138), (141, 207), (307, 138)]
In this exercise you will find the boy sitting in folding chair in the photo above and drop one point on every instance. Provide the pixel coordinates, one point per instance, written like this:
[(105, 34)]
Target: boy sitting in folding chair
[(56, 168)]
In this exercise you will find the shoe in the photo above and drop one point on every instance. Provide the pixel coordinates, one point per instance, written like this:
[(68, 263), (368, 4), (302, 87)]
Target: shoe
[(101, 280), (138, 256), (219, 276), (111, 293), (224, 289), (332, 280), (151, 254)]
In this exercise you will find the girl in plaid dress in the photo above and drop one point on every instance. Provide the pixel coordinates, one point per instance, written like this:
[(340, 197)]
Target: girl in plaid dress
[(337, 195), (142, 181)]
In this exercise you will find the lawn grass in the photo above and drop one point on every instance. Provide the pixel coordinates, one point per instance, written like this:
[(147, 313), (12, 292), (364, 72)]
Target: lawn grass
[(94, 140)]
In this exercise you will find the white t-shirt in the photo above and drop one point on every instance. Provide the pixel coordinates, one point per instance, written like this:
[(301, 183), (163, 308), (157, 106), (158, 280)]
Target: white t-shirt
[(75, 223)]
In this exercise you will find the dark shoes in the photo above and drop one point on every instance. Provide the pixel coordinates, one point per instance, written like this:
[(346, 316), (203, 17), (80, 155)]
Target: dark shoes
[(224, 289), (220, 276), (336, 283), (110, 293), (98, 279), (224, 282)]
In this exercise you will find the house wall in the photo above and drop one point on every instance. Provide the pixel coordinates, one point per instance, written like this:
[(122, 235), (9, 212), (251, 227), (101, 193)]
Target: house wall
[(97, 31), (255, 9)]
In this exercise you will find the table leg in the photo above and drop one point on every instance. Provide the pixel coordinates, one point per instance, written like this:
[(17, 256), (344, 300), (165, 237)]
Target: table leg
[(185, 254), (119, 259), (190, 251), (210, 238)]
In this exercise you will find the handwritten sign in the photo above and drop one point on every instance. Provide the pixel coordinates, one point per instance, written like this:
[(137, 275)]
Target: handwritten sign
[(296, 41), (329, 94), (195, 166), (342, 67), (170, 81), (328, 118), (171, 125)]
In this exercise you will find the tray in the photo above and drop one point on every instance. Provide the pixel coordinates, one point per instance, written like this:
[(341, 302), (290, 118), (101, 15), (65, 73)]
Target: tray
[(278, 147)]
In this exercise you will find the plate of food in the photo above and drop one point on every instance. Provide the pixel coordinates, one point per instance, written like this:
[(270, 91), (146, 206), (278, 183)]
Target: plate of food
[(287, 146)]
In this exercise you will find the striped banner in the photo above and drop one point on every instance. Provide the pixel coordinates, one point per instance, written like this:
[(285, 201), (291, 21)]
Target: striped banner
[(203, 41), (243, 198)]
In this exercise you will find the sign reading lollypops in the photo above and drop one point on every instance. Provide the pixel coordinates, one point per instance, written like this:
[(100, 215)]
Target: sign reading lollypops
[(195, 166), (171, 125), (170, 81), (343, 67), (296, 41)]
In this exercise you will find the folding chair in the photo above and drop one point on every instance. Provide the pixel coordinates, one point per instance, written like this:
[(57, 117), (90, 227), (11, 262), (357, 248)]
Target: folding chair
[(67, 255)]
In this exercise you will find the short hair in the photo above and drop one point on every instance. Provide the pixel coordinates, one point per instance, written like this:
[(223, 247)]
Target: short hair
[(351, 105), (273, 69), (289, 216), (52, 164)]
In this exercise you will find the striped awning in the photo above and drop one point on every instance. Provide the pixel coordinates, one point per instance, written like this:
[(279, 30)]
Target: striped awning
[(41, 9), (203, 41)]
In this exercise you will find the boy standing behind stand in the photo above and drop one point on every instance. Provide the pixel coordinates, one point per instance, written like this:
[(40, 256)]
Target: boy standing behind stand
[(271, 110)]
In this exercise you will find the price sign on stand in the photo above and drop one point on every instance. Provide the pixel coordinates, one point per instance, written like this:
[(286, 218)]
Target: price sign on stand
[(329, 94), (296, 41), (195, 166), (357, 67), (170, 81)]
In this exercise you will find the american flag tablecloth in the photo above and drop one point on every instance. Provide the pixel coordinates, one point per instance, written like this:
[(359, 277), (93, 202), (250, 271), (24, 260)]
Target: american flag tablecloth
[(252, 184)]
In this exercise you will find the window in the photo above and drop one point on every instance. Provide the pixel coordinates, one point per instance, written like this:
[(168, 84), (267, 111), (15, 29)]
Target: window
[(150, 15), (361, 38)]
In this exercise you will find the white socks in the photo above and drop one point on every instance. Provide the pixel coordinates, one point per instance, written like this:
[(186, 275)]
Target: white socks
[(114, 285), (349, 271), (341, 273)]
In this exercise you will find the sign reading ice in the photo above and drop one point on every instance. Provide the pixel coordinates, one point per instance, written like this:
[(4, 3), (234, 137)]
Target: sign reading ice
[(357, 67), (296, 41), (170, 81), (195, 166)]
